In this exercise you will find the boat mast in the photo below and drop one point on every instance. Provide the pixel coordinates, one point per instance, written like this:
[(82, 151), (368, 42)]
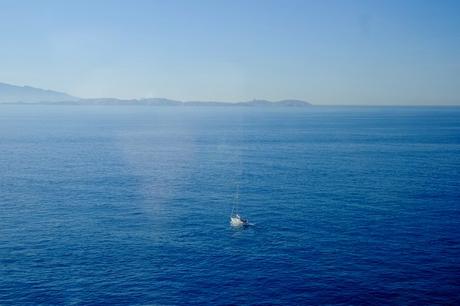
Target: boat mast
[(236, 203), (237, 197)]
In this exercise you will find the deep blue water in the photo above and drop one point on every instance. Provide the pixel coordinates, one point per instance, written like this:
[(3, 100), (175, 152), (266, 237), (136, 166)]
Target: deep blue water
[(130, 205)]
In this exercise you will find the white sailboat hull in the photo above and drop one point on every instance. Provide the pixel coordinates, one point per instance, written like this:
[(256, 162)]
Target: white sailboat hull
[(237, 222)]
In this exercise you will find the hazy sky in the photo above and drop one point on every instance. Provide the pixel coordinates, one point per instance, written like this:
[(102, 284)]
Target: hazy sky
[(326, 52)]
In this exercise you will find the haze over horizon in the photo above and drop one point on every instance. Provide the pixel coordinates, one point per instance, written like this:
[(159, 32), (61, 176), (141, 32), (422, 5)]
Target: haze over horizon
[(334, 52)]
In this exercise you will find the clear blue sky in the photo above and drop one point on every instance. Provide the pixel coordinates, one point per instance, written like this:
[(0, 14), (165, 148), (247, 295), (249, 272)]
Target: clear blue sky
[(326, 52)]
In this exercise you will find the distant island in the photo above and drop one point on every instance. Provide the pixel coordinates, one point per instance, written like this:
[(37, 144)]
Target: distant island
[(26, 94), (12, 94)]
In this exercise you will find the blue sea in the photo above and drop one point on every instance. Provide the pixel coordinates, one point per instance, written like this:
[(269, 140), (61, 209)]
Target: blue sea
[(130, 205)]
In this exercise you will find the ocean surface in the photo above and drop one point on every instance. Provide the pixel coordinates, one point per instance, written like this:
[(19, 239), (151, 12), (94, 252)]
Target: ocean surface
[(130, 205)]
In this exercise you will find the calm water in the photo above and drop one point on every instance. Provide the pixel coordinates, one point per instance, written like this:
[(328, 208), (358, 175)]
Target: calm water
[(130, 205)]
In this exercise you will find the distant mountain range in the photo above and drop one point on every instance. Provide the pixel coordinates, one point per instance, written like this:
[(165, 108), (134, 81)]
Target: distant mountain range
[(26, 94), (12, 94)]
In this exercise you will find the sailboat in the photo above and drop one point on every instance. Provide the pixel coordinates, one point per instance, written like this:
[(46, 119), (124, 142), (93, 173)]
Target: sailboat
[(235, 219)]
